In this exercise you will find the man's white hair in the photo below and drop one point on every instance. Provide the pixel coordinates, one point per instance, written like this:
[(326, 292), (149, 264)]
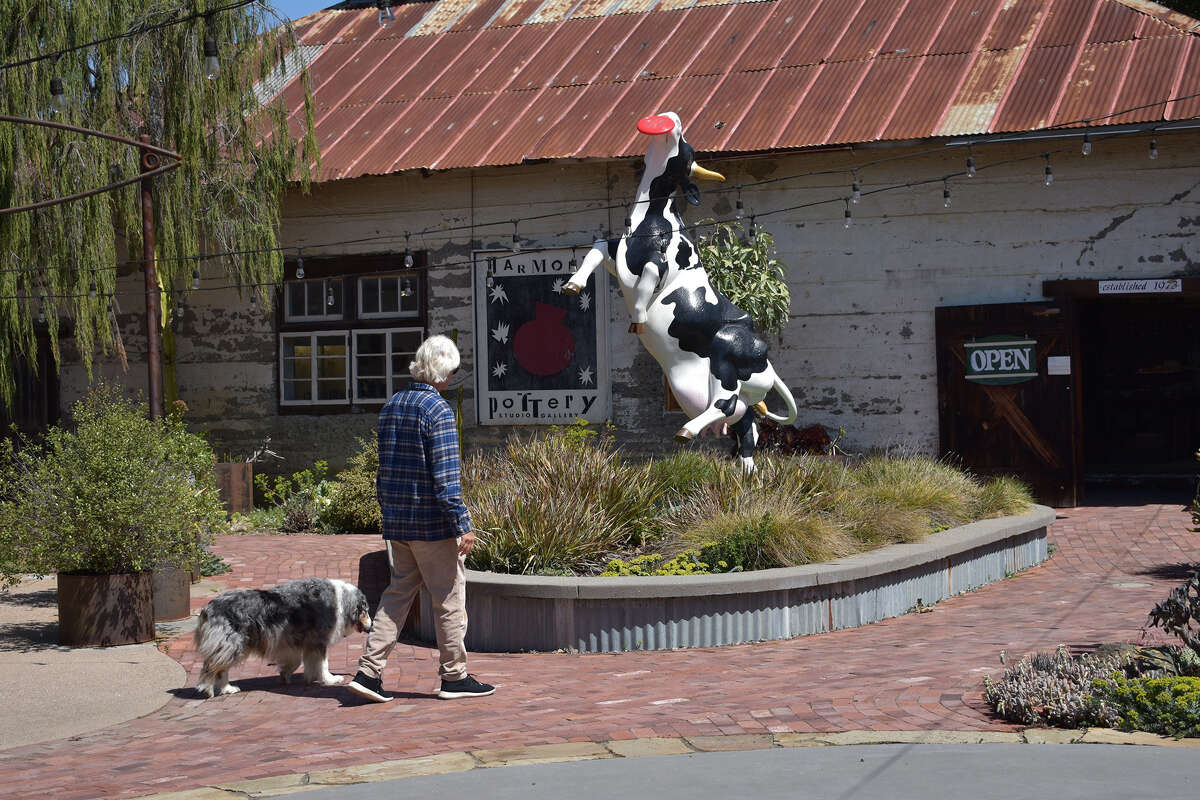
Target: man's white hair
[(435, 360)]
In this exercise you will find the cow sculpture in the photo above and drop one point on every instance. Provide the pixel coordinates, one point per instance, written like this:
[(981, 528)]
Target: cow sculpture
[(715, 361)]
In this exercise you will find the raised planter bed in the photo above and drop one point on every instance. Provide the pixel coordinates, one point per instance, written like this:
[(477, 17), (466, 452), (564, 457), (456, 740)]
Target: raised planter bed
[(510, 613)]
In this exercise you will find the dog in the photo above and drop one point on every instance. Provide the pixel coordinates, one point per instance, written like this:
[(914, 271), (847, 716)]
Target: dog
[(292, 624)]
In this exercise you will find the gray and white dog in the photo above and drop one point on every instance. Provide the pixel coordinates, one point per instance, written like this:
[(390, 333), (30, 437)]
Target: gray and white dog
[(292, 624)]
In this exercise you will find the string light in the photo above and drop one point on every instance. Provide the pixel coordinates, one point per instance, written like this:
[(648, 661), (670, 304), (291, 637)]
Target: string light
[(58, 98), (516, 242), (195, 277), (1049, 171), (92, 290), (945, 193), (212, 67), (253, 300), (41, 317), (406, 288), (573, 263), (752, 229), (1153, 149), (299, 263), (846, 222), (855, 188), (329, 301), (387, 17), (970, 162), (740, 209), (408, 256), (1087, 144)]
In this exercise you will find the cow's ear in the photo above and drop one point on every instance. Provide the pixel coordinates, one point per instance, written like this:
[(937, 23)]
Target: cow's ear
[(692, 192)]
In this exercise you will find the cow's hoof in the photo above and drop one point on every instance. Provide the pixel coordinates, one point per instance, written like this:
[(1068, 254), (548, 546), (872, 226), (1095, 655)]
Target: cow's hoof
[(636, 327), (684, 435), (572, 288), (761, 408)]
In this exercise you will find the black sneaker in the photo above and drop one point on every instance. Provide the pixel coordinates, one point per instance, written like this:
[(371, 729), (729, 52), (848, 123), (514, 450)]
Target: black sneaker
[(467, 687), (368, 688)]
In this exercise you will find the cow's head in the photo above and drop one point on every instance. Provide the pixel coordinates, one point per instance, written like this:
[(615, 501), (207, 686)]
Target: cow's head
[(670, 160)]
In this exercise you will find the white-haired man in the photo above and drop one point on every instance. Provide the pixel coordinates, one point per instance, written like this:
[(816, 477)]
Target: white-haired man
[(425, 524)]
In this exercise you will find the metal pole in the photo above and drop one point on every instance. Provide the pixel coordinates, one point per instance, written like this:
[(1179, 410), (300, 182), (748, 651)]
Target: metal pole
[(150, 162)]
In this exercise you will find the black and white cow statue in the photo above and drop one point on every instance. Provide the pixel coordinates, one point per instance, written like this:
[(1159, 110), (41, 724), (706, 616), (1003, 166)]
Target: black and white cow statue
[(714, 359)]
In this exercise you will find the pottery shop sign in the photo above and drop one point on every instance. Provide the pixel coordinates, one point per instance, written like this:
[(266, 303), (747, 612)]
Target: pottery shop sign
[(998, 360), (541, 354)]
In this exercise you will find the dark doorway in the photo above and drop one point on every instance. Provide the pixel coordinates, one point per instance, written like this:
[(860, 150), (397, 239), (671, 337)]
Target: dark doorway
[(36, 401), (1141, 392)]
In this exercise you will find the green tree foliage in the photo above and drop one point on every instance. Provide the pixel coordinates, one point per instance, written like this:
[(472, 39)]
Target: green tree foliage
[(238, 156), (744, 269)]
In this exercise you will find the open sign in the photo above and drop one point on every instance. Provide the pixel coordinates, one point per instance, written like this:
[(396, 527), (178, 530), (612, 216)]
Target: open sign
[(996, 360)]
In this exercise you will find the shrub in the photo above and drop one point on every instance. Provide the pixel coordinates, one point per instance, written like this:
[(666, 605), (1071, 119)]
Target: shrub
[(117, 493), (548, 503), (302, 497), (353, 502), (1180, 613), (1056, 689), (1169, 706), (689, 562), (743, 267)]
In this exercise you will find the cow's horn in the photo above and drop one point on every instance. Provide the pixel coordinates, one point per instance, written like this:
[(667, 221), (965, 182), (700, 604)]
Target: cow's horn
[(700, 172)]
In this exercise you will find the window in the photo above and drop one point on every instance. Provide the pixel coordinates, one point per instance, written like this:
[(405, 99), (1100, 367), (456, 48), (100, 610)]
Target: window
[(388, 296), (312, 368), (319, 299), (381, 359), (356, 349)]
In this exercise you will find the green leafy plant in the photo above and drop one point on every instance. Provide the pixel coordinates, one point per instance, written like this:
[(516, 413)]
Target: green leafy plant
[(1180, 613), (689, 562), (744, 268), (353, 502), (116, 493), (1168, 706)]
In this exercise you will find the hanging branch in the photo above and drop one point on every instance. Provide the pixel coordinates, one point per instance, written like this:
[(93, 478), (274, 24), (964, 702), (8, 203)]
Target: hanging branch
[(142, 71)]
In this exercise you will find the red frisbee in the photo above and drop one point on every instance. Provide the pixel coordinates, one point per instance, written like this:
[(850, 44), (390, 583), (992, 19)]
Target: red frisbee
[(653, 126)]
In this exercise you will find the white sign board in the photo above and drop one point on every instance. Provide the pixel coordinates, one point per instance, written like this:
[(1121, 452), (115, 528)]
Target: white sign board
[(1058, 365), (1148, 286), (541, 355)]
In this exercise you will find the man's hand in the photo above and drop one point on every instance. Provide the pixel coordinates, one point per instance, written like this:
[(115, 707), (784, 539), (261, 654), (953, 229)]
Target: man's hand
[(466, 543)]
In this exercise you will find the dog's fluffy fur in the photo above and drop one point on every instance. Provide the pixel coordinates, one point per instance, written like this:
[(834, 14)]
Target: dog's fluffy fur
[(290, 625)]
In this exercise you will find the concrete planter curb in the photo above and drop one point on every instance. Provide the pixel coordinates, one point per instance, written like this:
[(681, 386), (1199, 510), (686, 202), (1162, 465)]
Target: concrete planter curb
[(511, 613)]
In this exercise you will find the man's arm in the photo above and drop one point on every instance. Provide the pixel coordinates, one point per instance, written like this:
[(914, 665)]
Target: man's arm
[(446, 470)]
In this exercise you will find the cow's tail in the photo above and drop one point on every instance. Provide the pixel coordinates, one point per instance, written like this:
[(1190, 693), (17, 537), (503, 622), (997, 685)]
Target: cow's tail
[(790, 401)]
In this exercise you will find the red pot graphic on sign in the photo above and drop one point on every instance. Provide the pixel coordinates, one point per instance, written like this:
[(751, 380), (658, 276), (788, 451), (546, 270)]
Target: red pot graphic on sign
[(544, 345)]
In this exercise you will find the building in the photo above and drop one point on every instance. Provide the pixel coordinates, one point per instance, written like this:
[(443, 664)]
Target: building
[(946, 296)]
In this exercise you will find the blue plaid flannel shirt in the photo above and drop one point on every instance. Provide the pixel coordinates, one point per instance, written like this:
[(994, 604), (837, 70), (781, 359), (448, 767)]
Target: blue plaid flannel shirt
[(419, 483)]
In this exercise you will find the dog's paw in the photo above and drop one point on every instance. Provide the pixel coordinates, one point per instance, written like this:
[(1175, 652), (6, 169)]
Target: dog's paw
[(330, 680), (230, 689)]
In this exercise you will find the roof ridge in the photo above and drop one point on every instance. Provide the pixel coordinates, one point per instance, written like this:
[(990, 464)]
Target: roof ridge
[(1167, 16)]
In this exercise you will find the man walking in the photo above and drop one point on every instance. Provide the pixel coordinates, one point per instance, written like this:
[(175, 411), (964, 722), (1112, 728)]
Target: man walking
[(425, 524)]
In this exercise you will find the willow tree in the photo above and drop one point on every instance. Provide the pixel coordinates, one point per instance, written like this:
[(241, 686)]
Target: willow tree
[(144, 71)]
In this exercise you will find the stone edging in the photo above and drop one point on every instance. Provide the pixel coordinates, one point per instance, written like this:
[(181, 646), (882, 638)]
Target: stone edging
[(511, 613), (446, 763)]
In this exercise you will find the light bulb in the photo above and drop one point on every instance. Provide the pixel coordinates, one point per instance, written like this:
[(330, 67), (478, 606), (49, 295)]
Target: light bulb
[(212, 67), (740, 208), (1153, 149), (1049, 173), (58, 98), (299, 266), (846, 223), (406, 288), (329, 301), (946, 195), (970, 166), (92, 290), (751, 230), (253, 301), (1087, 144), (387, 17), (195, 279), (855, 191)]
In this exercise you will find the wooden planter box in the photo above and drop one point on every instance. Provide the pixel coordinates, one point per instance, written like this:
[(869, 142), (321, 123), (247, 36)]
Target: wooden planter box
[(105, 610), (236, 482)]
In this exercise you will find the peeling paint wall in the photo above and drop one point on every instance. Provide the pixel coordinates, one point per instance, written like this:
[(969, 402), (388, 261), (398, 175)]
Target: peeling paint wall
[(859, 352)]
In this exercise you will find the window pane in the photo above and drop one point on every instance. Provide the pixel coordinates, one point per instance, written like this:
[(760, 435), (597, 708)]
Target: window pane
[(316, 298), (295, 299), (371, 343), (372, 367), (331, 345), (297, 368), (331, 389), (372, 389), (389, 290), (297, 390), (370, 296), (331, 368)]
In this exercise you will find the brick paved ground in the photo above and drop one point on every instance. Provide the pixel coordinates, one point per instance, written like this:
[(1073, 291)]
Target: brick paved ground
[(920, 671)]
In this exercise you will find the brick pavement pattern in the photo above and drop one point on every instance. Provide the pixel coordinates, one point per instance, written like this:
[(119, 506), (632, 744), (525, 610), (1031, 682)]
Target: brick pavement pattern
[(915, 672)]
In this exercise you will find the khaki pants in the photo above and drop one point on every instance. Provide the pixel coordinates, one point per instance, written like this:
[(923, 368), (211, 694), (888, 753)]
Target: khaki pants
[(437, 566)]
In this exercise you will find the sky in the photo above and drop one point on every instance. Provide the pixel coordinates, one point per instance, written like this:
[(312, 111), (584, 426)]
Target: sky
[(295, 9)]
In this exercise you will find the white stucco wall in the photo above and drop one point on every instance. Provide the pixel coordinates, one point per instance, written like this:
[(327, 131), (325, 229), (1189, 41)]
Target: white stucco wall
[(859, 351)]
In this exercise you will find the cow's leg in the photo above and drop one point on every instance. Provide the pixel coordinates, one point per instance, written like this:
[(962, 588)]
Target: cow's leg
[(745, 437), (643, 293), (593, 259), (723, 405)]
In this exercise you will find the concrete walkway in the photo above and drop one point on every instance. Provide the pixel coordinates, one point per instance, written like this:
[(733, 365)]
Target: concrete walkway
[(919, 675)]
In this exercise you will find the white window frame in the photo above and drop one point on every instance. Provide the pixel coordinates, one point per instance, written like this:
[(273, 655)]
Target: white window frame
[(391, 376), (312, 337), (400, 278), (322, 317)]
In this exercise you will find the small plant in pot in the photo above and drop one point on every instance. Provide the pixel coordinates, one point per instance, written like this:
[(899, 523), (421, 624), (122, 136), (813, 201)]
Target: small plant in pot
[(102, 504)]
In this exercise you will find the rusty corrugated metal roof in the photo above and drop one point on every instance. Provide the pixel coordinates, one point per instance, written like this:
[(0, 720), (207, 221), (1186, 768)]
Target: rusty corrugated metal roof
[(467, 83)]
